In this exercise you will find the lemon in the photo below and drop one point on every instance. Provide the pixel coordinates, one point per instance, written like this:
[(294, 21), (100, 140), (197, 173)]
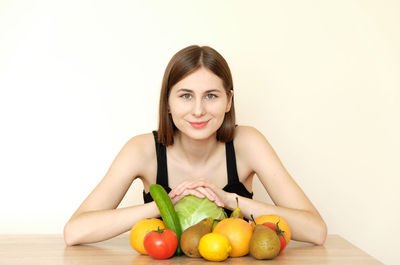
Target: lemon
[(214, 247)]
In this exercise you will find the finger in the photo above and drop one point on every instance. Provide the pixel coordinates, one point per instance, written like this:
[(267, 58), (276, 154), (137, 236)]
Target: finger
[(188, 184), (172, 195), (205, 184), (216, 192), (195, 193), (217, 199), (202, 183), (198, 183), (207, 192), (186, 192), (182, 187), (220, 204), (214, 188), (176, 199), (177, 190)]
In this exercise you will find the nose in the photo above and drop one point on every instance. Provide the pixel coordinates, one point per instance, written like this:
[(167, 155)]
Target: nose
[(198, 108)]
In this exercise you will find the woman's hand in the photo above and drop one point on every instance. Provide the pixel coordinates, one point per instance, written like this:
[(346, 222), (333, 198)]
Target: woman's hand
[(200, 188)]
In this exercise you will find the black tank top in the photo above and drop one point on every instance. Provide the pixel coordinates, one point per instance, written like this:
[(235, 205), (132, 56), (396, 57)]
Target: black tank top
[(233, 186)]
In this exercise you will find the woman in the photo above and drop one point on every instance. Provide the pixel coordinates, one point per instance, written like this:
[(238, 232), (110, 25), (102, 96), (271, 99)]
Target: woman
[(208, 156)]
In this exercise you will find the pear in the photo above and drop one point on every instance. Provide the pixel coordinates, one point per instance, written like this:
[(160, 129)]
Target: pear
[(237, 212), (264, 243), (191, 236)]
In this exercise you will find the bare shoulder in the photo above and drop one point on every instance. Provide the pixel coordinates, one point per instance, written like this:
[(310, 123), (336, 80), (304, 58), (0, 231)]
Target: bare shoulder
[(247, 137), (142, 146), (136, 157), (251, 145)]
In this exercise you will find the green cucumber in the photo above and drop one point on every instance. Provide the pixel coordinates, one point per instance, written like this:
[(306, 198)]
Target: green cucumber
[(167, 210)]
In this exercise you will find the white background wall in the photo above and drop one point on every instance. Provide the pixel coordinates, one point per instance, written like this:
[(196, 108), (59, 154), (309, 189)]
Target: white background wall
[(319, 78)]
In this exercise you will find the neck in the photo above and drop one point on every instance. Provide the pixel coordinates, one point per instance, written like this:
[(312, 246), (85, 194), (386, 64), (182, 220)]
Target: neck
[(196, 152)]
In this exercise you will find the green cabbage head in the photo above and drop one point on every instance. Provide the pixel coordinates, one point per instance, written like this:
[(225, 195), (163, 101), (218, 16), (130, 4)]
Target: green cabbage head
[(191, 210)]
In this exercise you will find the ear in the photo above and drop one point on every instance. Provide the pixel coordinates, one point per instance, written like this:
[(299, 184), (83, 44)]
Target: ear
[(229, 105)]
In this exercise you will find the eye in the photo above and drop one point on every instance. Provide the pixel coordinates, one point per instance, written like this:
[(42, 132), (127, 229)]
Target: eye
[(186, 96), (210, 96)]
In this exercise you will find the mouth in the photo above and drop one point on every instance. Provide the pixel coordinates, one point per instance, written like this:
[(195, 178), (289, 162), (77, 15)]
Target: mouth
[(199, 125)]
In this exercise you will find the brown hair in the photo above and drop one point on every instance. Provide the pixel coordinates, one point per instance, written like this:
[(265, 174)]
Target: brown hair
[(183, 63)]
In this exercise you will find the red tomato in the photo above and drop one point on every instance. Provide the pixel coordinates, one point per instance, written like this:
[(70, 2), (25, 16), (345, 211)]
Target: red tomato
[(161, 243), (279, 232)]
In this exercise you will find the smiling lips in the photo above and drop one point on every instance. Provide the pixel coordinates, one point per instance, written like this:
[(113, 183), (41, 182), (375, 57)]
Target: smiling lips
[(198, 125)]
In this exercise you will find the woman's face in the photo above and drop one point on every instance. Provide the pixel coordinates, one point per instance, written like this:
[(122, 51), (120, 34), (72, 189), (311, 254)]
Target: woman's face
[(198, 104)]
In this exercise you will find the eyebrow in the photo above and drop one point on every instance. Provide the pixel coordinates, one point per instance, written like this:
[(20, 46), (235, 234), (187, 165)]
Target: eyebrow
[(189, 90)]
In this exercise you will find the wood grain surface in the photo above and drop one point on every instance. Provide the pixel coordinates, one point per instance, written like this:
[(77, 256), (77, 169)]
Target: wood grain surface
[(50, 249)]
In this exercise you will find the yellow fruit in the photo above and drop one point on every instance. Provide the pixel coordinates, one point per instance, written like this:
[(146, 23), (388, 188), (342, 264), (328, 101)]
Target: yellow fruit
[(283, 225), (214, 247), (239, 232), (140, 230)]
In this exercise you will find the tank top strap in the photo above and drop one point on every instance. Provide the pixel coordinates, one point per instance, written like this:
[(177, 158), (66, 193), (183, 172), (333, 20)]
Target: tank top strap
[(231, 163), (162, 171)]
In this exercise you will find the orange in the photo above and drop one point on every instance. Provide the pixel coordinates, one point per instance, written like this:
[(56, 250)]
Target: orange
[(283, 225), (140, 230), (239, 233)]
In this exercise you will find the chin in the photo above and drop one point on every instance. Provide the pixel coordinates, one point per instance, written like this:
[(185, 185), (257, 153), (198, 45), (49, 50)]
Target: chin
[(199, 134)]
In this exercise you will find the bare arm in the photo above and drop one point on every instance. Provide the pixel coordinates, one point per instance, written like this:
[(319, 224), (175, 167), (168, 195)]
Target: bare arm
[(305, 225), (97, 218), (290, 201)]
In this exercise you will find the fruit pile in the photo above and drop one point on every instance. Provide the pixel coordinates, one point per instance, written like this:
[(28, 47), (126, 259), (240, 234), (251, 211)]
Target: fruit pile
[(264, 238)]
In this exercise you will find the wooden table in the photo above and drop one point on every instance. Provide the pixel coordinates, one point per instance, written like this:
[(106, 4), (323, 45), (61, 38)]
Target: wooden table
[(50, 249)]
